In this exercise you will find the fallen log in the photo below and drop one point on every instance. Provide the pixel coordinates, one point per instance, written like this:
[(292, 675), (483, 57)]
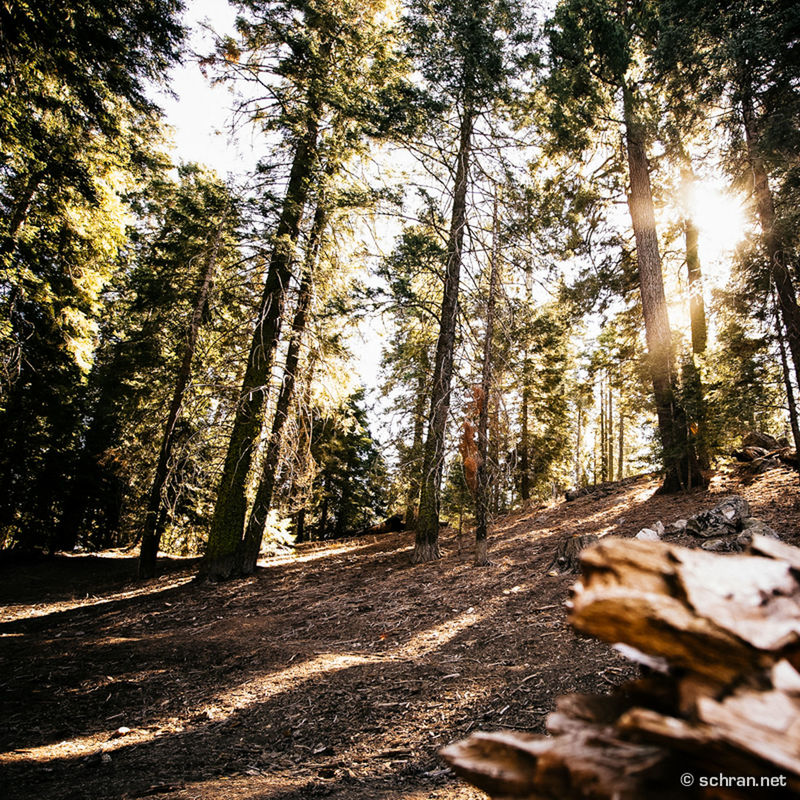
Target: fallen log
[(727, 629)]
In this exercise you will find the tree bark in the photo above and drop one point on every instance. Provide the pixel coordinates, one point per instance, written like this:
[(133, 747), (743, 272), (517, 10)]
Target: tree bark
[(426, 547), (482, 495), (603, 451), (227, 526), (610, 430), (524, 445), (682, 470), (578, 443), (699, 328), (19, 212), (697, 311), (251, 544), (151, 531), (415, 468)]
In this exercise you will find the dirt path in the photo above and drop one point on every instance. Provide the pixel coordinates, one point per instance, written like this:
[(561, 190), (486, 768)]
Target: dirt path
[(336, 672)]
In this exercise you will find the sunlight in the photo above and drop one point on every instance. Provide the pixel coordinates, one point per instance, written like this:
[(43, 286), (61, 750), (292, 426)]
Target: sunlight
[(721, 221), (225, 704)]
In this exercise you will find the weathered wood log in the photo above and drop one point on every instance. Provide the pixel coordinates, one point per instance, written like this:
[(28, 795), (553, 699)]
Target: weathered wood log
[(750, 453), (567, 557), (729, 629)]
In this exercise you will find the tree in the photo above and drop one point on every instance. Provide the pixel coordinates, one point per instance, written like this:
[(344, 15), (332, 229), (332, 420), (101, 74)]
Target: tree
[(483, 475), (411, 273), (592, 61), (462, 52), (322, 54), (742, 56), (168, 307), (251, 544), (348, 489), (76, 131), (151, 534)]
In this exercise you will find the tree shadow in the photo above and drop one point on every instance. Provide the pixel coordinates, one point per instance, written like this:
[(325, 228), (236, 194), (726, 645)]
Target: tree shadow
[(340, 674)]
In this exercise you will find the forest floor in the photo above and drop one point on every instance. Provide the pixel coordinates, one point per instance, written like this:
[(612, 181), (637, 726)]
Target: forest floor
[(337, 671)]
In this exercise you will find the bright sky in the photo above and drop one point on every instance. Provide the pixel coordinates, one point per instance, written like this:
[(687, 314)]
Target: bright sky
[(200, 113)]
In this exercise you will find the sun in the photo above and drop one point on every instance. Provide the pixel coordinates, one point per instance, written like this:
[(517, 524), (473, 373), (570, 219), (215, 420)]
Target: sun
[(721, 221)]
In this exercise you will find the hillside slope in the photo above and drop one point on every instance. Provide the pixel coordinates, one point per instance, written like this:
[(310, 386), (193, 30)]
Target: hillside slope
[(338, 671)]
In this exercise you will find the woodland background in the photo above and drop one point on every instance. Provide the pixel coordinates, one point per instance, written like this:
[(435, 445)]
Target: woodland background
[(575, 225)]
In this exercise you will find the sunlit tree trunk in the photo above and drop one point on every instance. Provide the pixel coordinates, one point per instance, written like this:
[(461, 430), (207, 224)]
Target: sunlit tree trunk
[(603, 451), (482, 495), (693, 377), (610, 431), (578, 441), (426, 547), (524, 444), (151, 532), (254, 533), (681, 467)]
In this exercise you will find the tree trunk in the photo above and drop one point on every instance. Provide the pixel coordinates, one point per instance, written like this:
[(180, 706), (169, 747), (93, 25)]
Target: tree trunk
[(787, 380), (227, 526), (697, 311), (482, 495), (621, 452), (251, 545), (300, 526), (578, 444), (681, 468), (787, 298), (610, 431), (697, 318), (151, 532), (603, 451), (415, 467), (524, 445), (323, 514), (426, 547), (567, 555), (19, 213)]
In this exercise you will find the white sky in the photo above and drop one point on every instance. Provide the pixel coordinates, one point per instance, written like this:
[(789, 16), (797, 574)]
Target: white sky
[(200, 113)]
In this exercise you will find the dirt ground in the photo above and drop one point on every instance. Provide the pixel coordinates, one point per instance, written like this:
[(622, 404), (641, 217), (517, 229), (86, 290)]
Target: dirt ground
[(338, 671)]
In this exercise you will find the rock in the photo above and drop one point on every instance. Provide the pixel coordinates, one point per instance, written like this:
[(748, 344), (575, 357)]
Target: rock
[(679, 525), (105, 758), (753, 526), (724, 519), (659, 528), (763, 440), (648, 535), (717, 545)]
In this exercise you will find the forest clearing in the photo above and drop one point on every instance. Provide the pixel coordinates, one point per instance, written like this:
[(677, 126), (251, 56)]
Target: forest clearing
[(337, 671)]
